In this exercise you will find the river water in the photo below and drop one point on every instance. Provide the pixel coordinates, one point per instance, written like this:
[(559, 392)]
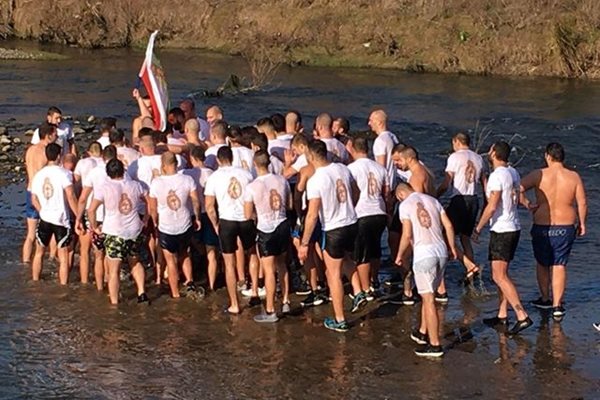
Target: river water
[(68, 343)]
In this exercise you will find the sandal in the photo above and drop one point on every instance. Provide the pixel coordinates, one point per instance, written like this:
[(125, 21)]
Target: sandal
[(471, 274)]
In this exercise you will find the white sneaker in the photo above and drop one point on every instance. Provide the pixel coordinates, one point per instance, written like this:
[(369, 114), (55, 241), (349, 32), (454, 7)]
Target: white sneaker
[(262, 292)]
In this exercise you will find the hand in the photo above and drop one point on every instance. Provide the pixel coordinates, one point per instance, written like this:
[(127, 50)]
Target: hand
[(289, 157), (197, 225), (398, 261), (303, 253), (79, 227), (475, 236), (216, 229), (97, 230), (581, 230), (136, 94), (532, 207), (453, 253)]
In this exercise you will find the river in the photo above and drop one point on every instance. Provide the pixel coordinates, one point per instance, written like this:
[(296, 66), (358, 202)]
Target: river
[(68, 343)]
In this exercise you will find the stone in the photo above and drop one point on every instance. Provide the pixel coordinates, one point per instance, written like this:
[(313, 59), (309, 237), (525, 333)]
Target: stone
[(3, 157), (78, 131), (6, 148), (29, 132), (3, 130), (17, 140), (91, 119), (18, 168), (4, 139)]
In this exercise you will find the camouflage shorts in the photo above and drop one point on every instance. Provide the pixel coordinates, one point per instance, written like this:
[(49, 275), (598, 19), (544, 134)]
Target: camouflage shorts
[(122, 249)]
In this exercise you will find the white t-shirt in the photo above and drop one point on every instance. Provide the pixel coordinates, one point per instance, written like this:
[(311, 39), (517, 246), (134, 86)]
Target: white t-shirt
[(276, 166), (277, 147), (269, 193), (145, 169), (506, 217), (176, 141), (424, 213), (172, 194), (243, 157), (104, 141), (200, 176), (127, 155), (228, 185), (48, 185), (211, 156), (336, 149), (332, 184), (300, 163), (122, 198), (370, 178), (96, 178), (466, 165), (64, 133), (382, 146), (85, 165)]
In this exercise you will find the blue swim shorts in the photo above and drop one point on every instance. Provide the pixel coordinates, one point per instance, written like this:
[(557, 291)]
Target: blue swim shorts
[(552, 243)]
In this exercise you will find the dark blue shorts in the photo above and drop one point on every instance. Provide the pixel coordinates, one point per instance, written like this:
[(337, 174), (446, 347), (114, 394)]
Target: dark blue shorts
[(30, 211), (207, 234), (552, 243)]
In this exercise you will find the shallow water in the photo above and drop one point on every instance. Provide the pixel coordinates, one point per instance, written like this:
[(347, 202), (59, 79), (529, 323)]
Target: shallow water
[(68, 343)]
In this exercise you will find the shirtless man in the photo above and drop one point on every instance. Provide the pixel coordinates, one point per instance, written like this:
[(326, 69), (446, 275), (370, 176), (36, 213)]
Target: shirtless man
[(331, 194), (557, 191), (145, 120), (122, 226), (54, 197), (35, 159), (168, 205), (421, 178), (64, 133), (269, 197)]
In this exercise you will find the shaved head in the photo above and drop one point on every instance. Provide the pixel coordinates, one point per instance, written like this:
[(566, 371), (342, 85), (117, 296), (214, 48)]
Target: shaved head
[(214, 113), (192, 126), (378, 121), (324, 120), (168, 159)]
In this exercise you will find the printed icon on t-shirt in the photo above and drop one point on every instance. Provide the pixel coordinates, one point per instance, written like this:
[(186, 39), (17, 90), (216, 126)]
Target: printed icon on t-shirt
[(340, 191), (372, 186), (47, 189), (155, 172), (125, 205), (423, 216), (173, 201), (245, 165), (470, 172), (275, 200), (234, 190)]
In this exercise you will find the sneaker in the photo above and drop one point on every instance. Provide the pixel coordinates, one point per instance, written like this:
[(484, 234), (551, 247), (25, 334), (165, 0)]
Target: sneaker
[(429, 351), (393, 282), (262, 292), (320, 298), (496, 322), (254, 301), (520, 325), (143, 298), (241, 286), (309, 300), (359, 301), (558, 312), (408, 300), (418, 337), (304, 289), (331, 323), (266, 318), (542, 304), (441, 298), (190, 287), (285, 308), (370, 295)]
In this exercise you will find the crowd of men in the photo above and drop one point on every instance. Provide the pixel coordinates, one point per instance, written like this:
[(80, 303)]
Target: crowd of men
[(252, 199)]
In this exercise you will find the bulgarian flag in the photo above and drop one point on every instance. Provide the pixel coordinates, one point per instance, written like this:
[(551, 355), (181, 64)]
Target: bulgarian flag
[(153, 77)]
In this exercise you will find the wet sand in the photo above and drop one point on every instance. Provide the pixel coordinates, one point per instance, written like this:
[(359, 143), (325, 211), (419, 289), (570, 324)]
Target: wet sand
[(67, 342)]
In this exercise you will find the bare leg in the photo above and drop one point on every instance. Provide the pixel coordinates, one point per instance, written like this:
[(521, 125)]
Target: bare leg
[(211, 256), (171, 260), (465, 241), (333, 271), (431, 318), (506, 286), (269, 268), (99, 269), (231, 281), (138, 274), (254, 271), (85, 243), (351, 273), (543, 279), (284, 277), (114, 269), (63, 268), (423, 325), (29, 240), (53, 248), (559, 282), (38, 257), (364, 275), (240, 262), (186, 265)]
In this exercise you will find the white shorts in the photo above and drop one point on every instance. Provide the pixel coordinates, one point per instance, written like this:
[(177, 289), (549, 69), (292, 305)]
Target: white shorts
[(428, 273)]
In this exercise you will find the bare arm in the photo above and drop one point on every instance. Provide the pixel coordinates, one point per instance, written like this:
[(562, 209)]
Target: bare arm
[(92, 214), (445, 183), (405, 240), (196, 205), (382, 160), (449, 232), (488, 212), (248, 210), (289, 159), (309, 226), (211, 211), (36, 202), (71, 199), (153, 210), (581, 200), (355, 192)]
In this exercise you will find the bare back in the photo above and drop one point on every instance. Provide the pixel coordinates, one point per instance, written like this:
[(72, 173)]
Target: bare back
[(422, 180), (35, 159), (556, 191)]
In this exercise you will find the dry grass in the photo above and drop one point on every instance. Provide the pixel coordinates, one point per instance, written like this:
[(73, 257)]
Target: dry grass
[(512, 37)]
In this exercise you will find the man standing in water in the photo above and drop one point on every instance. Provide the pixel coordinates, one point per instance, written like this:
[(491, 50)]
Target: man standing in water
[(270, 196), (502, 192), (463, 171), (122, 226), (35, 160), (383, 144), (422, 219), (64, 133), (54, 198), (330, 199), (557, 190)]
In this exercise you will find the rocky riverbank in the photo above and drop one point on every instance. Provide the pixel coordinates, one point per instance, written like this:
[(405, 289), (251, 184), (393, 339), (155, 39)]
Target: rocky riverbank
[(18, 54), (509, 37)]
